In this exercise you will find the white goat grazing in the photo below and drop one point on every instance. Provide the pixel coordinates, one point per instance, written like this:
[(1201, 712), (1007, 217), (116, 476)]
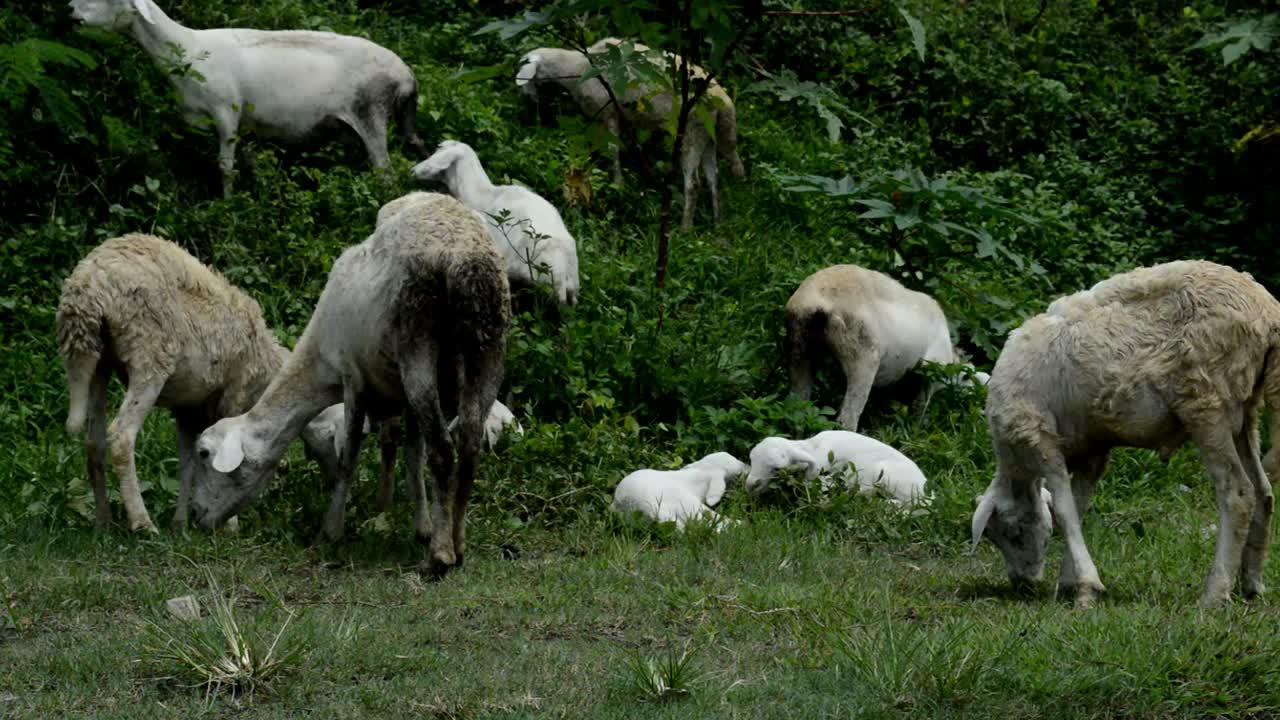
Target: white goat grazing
[(679, 495), (877, 465), (1147, 358), (877, 329), (291, 85), (645, 106), (413, 320), (534, 242), (181, 337)]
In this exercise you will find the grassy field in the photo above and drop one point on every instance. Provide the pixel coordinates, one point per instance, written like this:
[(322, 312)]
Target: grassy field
[(814, 607)]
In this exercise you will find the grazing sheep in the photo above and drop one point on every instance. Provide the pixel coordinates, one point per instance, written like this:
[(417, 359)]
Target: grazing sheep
[(292, 85), (678, 495), (877, 465), (413, 320), (181, 337), (534, 242), (1148, 359), (647, 106), (877, 329)]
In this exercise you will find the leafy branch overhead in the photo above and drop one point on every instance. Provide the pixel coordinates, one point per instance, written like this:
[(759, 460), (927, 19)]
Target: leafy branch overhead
[(1240, 37), (824, 101)]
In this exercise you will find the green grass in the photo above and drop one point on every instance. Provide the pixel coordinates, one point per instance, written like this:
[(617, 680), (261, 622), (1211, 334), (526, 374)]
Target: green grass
[(803, 611)]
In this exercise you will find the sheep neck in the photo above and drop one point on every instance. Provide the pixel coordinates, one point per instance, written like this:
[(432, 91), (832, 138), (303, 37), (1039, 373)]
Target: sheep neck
[(164, 40), (295, 396), (468, 182)]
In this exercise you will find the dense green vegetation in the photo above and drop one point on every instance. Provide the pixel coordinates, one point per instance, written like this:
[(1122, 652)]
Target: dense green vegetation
[(1014, 151)]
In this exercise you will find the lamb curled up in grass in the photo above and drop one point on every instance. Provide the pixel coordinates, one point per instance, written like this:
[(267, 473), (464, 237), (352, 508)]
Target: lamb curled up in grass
[(679, 495), (877, 466)]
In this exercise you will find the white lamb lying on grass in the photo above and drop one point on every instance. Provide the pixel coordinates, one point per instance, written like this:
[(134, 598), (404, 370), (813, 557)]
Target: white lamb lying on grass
[(679, 495), (875, 464)]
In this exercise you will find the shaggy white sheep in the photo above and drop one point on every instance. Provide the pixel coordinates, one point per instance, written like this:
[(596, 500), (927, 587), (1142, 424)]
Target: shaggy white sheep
[(290, 84), (679, 495), (877, 329), (413, 320), (181, 337), (647, 106), (876, 466), (1147, 358), (534, 242)]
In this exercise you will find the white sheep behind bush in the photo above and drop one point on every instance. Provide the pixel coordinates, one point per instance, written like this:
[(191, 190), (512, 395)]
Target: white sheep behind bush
[(877, 330), (534, 242), (1148, 358), (287, 84), (679, 495), (876, 466)]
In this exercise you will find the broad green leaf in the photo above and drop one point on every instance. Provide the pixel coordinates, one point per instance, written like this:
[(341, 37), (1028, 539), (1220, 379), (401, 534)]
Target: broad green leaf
[(917, 32)]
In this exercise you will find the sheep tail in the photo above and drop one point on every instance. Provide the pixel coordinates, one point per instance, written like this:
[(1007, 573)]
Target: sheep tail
[(478, 293), (79, 325), (803, 328), (407, 117), (727, 139)]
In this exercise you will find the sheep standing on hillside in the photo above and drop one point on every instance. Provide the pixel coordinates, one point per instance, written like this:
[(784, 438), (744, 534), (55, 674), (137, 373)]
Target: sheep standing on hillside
[(877, 465), (181, 337), (678, 495), (534, 242), (413, 320), (646, 106), (291, 84), (1147, 358), (877, 329)]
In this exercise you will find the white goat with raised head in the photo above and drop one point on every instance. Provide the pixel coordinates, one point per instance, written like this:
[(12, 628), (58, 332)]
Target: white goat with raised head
[(876, 466), (646, 106), (288, 84), (411, 321), (1147, 358), (679, 495), (534, 242), (877, 329)]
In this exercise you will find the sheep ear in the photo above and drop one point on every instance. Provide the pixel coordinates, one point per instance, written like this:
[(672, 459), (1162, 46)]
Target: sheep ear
[(230, 453), (800, 456), (528, 71), (144, 9), (432, 167), (715, 489), (986, 506)]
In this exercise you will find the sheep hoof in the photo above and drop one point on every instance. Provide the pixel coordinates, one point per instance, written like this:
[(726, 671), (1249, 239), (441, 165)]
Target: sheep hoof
[(1213, 600), (144, 525), (1086, 595), (178, 524)]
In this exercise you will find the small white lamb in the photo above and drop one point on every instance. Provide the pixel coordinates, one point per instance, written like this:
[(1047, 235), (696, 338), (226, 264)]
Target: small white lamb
[(645, 106), (877, 329), (876, 465), (1147, 358), (679, 495), (289, 84), (534, 242)]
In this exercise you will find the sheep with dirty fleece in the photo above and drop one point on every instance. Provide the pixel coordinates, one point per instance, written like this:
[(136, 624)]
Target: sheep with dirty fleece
[(876, 466), (181, 337), (645, 106), (679, 495), (877, 330), (536, 245), (286, 84), (1147, 358), (411, 321)]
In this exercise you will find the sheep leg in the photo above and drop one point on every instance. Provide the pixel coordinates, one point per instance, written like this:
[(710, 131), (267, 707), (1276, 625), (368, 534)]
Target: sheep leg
[(1084, 479), (614, 127), (689, 167), (1235, 509), (1085, 583), (387, 444), (95, 446), (417, 489), (122, 434), (187, 434), (859, 357), (226, 124), (373, 133), (478, 378), (418, 372), (332, 528), (710, 173), (1255, 547)]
